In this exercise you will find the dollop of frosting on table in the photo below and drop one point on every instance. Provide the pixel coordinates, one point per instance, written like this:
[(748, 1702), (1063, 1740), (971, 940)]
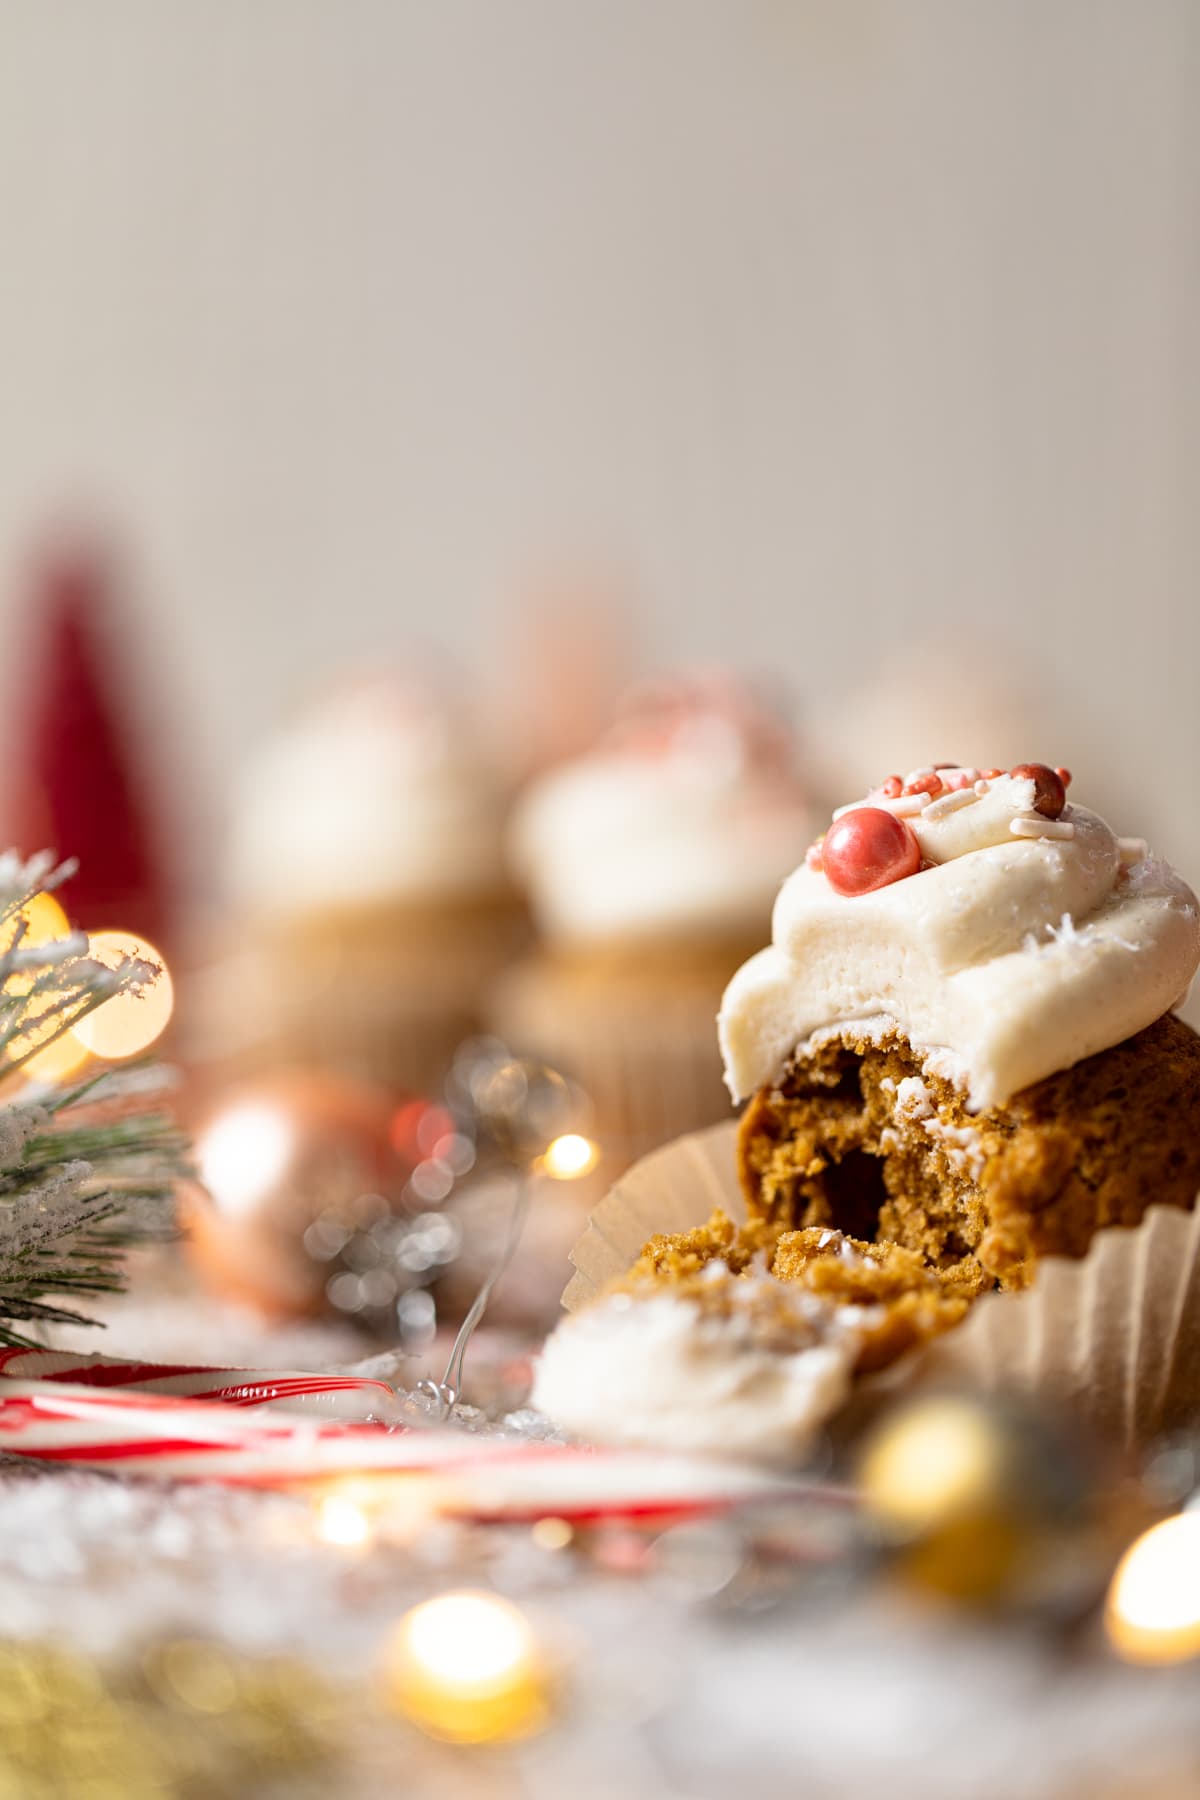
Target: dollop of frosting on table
[(662, 1370), (682, 822), (1022, 945)]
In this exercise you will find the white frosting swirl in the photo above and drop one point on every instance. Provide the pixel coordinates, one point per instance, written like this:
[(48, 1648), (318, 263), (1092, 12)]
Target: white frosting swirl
[(690, 835), (375, 795), (1013, 955)]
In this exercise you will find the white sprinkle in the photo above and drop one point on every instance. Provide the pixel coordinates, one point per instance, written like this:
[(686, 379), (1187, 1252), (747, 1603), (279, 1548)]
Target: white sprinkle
[(951, 803), (1132, 850), (918, 774), (983, 787), (902, 807), (1065, 932), (1037, 827)]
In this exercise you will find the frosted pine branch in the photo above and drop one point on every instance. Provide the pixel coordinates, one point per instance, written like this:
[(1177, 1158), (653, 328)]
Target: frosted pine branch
[(85, 1170)]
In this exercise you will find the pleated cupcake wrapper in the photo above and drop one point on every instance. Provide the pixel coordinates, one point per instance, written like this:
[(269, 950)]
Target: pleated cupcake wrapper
[(402, 1027), (651, 1071), (1115, 1336)]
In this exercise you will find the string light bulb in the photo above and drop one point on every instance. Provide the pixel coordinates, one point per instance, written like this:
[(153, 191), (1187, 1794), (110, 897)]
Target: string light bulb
[(1152, 1614), (44, 922), (63, 1057), (569, 1157), (379, 1507), (128, 1023), (243, 1153), (465, 1668), (342, 1521)]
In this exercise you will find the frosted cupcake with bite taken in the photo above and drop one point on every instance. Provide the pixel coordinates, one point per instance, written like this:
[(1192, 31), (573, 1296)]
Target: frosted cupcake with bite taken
[(651, 864), (367, 862), (965, 1083)]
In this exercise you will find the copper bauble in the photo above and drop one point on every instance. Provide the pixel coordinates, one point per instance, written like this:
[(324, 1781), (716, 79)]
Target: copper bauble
[(274, 1156)]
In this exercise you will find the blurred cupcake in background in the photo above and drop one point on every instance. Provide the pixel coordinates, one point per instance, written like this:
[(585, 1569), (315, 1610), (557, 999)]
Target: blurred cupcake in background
[(925, 697), (651, 863), (367, 869)]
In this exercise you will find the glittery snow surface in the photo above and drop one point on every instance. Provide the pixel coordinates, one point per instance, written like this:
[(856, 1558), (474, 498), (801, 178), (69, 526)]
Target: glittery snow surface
[(685, 1680)]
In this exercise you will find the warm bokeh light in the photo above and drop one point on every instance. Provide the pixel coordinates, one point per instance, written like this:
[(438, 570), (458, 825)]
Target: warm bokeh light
[(381, 1507), (552, 1533), (61, 1059), (570, 1156), (465, 1667), (128, 1023), (45, 923), (942, 1485), (44, 920), (1153, 1609), (243, 1153), (342, 1521), (928, 1464)]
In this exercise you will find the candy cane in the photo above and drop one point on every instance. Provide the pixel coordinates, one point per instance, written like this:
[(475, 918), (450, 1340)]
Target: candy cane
[(225, 1435), (334, 1395)]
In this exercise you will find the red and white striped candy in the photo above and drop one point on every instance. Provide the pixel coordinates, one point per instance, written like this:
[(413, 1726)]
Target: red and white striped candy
[(332, 1396), (238, 1426)]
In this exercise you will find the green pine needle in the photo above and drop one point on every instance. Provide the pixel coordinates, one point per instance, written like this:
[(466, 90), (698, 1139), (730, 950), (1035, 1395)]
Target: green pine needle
[(86, 1169)]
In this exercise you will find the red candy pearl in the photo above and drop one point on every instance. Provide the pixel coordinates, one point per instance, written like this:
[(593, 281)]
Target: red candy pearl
[(867, 849), (1049, 789)]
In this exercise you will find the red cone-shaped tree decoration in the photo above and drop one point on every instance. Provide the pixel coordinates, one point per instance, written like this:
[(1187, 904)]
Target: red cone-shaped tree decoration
[(81, 778)]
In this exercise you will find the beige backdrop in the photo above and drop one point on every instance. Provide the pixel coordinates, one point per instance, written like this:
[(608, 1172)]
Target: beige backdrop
[(839, 325)]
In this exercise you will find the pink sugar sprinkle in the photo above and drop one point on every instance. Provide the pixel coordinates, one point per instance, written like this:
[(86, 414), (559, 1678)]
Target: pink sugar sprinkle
[(927, 782)]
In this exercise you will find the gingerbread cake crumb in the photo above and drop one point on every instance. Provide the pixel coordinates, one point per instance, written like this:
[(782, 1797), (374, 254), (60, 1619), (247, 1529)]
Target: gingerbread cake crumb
[(869, 1183)]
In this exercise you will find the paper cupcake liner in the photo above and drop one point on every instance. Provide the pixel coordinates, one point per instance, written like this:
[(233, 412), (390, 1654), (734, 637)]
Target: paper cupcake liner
[(648, 1062), (389, 1011), (1114, 1336), (404, 1037)]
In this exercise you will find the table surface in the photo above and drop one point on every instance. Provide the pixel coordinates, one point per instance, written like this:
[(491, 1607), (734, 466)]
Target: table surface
[(673, 1681)]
